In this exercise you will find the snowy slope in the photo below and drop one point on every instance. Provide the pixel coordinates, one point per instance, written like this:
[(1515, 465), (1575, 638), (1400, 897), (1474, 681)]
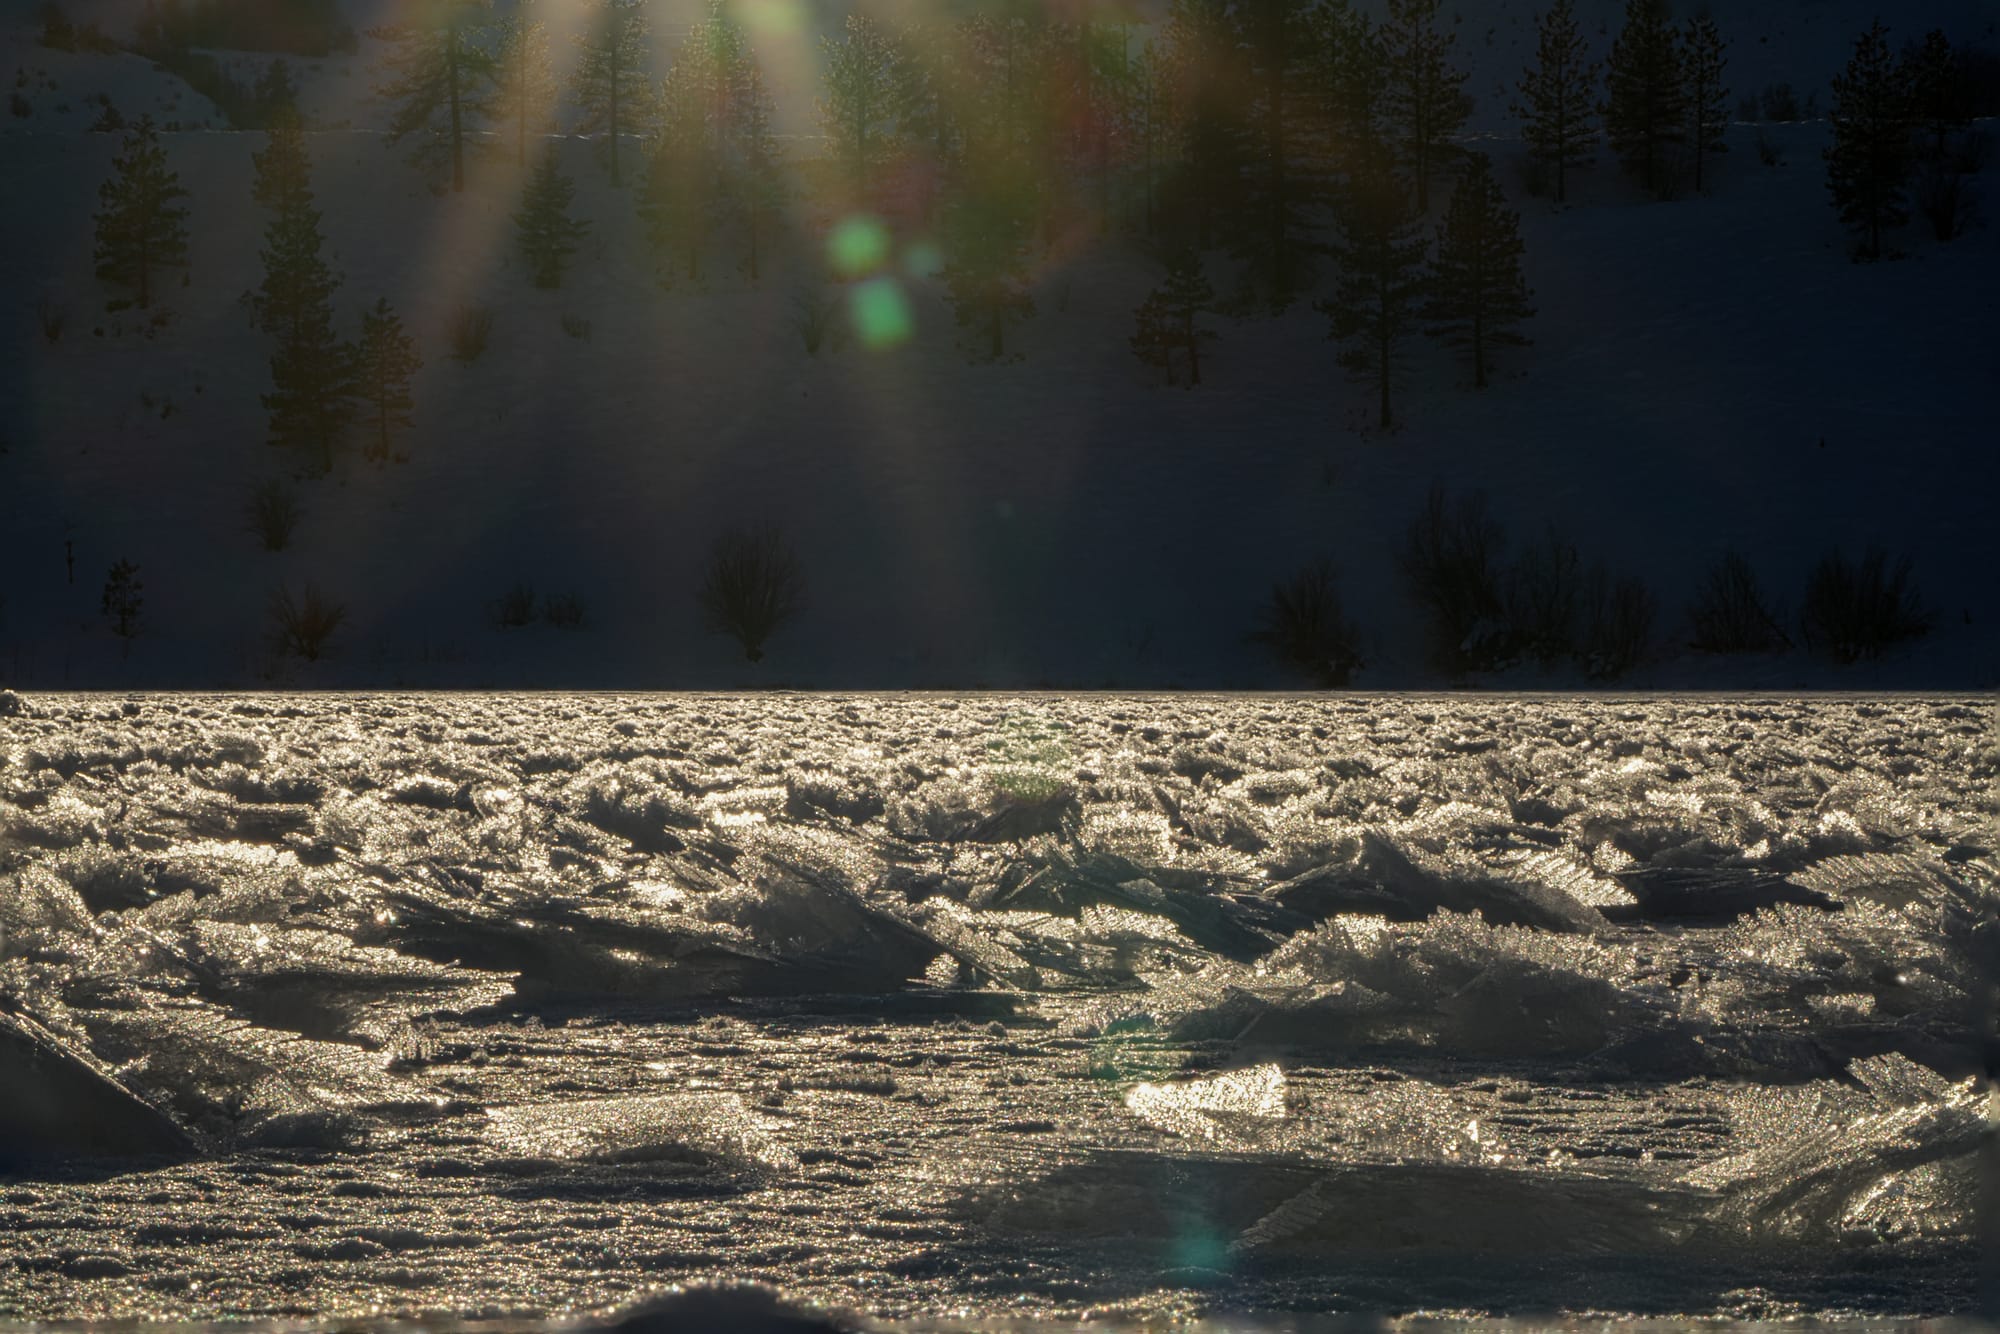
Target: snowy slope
[(1061, 519)]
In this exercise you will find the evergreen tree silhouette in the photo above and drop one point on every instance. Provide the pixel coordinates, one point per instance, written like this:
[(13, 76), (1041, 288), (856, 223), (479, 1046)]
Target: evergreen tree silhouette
[(543, 226), (523, 93), (1558, 97), (1645, 112), (1168, 318), (434, 74), (310, 367), (757, 186), (610, 81), (1204, 69), (1937, 93), (718, 113), (383, 364), (1477, 298), (861, 81), (276, 95), (1147, 125), (1283, 185), (1352, 67), (1379, 249), (1426, 101), (987, 230), (680, 196), (1707, 96), (140, 226), (1868, 164)]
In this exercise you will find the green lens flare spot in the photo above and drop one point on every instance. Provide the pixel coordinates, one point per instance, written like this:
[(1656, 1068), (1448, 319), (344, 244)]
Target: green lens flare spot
[(881, 315), (858, 246)]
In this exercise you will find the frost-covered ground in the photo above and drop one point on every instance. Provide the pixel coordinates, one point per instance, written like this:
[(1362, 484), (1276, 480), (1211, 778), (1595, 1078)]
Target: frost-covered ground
[(946, 1008)]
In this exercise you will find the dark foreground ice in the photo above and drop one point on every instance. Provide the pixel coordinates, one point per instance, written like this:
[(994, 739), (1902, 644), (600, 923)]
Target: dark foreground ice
[(943, 1010)]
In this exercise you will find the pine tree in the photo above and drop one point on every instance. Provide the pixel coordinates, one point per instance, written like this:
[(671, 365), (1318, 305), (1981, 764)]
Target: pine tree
[(680, 196), (1558, 97), (1426, 101), (1284, 184), (611, 77), (310, 367), (929, 96), (297, 283), (140, 227), (756, 183), (1645, 113), (858, 111), (986, 259), (1148, 124), (1937, 93), (276, 95), (1379, 249), (436, 68), (1477, 299), (1869, 163), (1352, 71), (1940, 113), (383, 365), (1168, 318), (715, 103), (1707, 97), (1203, 67), (543, 226), (523, 94)]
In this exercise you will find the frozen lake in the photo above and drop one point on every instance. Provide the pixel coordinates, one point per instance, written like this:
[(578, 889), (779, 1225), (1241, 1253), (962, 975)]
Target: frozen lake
[(944, 1009)]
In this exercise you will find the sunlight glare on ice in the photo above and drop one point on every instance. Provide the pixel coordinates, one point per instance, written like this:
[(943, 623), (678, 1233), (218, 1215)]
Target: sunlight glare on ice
[(1191, 1108)]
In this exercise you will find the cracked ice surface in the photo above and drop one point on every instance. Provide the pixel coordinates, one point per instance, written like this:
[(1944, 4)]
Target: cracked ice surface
[(948, 1008)]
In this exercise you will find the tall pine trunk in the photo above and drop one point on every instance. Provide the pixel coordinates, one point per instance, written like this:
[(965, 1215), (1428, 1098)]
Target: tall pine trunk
[(1194, 349)]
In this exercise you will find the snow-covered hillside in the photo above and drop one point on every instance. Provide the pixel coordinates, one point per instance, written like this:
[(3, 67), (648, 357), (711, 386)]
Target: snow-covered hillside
[(1707, 373)]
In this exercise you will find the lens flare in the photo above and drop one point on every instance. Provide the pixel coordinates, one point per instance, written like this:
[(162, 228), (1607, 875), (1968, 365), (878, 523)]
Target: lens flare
[(857, 246), (880, 312)]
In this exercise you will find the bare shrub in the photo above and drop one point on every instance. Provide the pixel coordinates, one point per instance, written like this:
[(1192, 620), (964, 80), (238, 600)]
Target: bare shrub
[(1303, 627), (1769, 153), (565, 611), (1855, 611), (1544, 588), (1729, 614), (515, 608), (816, 308), (303, 627), (1451, 560), (1618, 626), (576, 327), (271, 513), (471, 330), (753, 586)]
